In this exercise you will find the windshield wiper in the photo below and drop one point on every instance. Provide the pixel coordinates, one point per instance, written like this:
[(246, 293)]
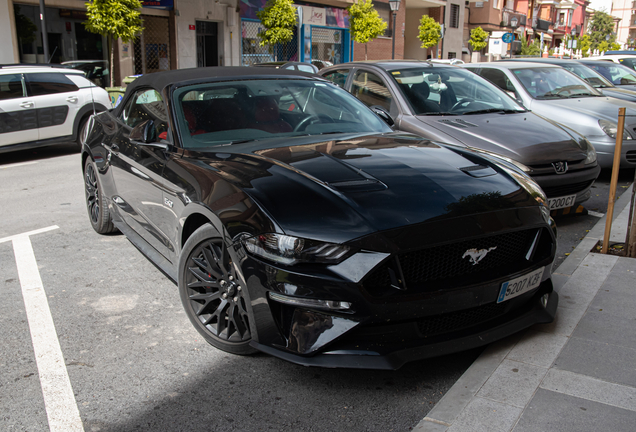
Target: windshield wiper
[(493, 110), (436, 113)]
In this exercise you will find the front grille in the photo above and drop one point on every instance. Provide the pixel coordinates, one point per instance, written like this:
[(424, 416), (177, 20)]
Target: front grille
[(449, 265), (631, 156), (569, 189), (459, 320)]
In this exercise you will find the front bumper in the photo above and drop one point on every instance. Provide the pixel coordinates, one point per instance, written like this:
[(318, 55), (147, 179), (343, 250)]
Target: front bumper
[(574, 182), (391, 320), (605, 153), (393, 356)]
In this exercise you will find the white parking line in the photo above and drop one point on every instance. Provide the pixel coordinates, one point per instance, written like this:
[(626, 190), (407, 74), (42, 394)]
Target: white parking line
[(18, 164), (59, 400)]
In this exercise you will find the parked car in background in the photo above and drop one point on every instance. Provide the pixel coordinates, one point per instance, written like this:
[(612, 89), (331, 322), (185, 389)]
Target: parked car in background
[(621, 76), (320, 64), (587, 73), (451, 105), (95, 70), (41, 106), (561, 96), (299, 224), (298, 66), (628, 60), (453, 61)]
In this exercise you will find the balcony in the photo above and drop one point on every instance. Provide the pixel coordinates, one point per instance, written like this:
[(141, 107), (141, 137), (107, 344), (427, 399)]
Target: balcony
[(509, 13)]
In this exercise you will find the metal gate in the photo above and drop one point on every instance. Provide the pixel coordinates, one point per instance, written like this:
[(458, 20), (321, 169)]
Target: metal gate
[(152, 47), (327, 44), (252, 52)]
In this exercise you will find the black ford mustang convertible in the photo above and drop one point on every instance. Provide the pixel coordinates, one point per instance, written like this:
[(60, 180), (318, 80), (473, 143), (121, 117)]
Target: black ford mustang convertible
[(296, 222)]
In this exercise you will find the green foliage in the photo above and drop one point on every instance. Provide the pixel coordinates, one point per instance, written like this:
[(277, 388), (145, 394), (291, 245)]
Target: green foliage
[(601, 25), (279, 19), (603, 46), (365, 22), (584, 44), (478, 38), (25, 27), (615, 46), (430, 31), (116, 19), (534, 48)]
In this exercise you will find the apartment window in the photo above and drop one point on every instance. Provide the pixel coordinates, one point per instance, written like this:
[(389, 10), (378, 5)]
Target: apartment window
[(452, 55), (454, 16), (385, 13)]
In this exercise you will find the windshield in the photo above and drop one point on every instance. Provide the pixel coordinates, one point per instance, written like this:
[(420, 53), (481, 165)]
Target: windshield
[(234, 112), (451, 91), (553, 83), (629, 62), (592, 77), (617, 74)]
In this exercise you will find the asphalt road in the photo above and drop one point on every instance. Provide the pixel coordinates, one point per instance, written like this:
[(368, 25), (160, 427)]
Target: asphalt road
[(134, 361)]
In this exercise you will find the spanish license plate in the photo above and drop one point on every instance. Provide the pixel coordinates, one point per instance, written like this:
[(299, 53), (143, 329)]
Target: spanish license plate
[(561, 202), (520, 285)]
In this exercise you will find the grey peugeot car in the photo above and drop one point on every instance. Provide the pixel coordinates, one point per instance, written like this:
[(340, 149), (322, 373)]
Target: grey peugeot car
[(588, 74), (561, 96), (618, 74), (453, 106)]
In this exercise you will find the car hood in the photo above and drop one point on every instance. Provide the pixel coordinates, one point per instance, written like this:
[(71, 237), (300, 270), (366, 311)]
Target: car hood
[(565, 110), (620, 93), (343, 189), (524, 137)]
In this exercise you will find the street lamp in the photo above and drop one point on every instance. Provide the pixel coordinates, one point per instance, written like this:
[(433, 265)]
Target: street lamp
[(395, 6), (513, 22)]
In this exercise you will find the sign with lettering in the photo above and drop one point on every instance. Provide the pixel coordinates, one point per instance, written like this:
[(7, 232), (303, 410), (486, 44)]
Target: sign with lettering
[(314, 16)]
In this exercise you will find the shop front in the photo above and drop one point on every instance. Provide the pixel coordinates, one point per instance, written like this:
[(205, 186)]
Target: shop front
[(322, 35)]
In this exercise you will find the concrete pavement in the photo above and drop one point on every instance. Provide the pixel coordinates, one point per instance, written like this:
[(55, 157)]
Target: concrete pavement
[(575, 374)]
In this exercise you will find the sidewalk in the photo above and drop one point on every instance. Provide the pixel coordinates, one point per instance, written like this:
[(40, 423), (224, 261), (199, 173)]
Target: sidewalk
[(575, 374)]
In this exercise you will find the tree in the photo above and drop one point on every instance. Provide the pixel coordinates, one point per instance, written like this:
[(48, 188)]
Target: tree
[(365, 22), (615, 46), (584, 44), (601, 26), (430, 31), (279, 19), (114, 19), (478, 39), (531, 49)]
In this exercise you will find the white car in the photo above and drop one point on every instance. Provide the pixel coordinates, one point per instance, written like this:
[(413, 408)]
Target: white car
[(41, 106), (628, 60)]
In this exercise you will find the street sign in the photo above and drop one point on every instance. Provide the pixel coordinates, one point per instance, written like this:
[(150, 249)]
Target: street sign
[(508, 37)]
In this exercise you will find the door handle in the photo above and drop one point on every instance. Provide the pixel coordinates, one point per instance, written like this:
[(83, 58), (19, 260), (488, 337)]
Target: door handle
[(26, 105), (72, 99)]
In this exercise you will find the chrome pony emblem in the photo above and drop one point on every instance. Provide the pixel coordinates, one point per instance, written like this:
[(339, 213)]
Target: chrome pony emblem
[(477, 255), (560, 167)]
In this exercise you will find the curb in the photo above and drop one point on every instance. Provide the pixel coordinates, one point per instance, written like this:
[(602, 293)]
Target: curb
[(446, 411)]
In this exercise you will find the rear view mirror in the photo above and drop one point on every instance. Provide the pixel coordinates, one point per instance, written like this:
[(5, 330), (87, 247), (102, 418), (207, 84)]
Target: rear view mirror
[(383, 114), (433, 78)]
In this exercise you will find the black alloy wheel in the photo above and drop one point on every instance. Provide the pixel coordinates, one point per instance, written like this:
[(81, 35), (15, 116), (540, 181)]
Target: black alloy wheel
[(213, 292), (97, 208)]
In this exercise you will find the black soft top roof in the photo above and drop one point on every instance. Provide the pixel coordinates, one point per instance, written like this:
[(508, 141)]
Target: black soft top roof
[(160, 80)]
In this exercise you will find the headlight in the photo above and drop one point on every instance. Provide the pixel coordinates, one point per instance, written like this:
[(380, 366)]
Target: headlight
[(291, 250), (610, 129), (534, 189), (499, 158), (591, 153)]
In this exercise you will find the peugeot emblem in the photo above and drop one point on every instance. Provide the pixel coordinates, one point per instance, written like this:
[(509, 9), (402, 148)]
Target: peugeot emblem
[(477, 255), (560, 167)]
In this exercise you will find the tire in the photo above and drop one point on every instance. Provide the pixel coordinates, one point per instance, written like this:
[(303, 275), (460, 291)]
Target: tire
[(81, 133), (213, 292), (97, 207)]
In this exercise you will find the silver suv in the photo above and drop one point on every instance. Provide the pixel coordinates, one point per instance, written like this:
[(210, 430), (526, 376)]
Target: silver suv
[(41, 106)]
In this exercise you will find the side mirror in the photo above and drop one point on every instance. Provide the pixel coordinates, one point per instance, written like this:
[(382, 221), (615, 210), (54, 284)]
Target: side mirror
[(383, 114), (145, 133)]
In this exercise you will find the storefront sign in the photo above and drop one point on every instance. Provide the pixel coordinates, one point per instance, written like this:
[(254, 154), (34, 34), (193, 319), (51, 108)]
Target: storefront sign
[(314, 16), (192, 27), (158, 4)]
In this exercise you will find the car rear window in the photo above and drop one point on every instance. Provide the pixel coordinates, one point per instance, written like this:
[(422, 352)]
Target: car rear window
[(49, 83)]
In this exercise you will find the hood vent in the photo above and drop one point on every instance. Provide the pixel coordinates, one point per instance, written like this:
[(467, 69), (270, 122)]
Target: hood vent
[(458, 123), (478, 171), (364, 185)]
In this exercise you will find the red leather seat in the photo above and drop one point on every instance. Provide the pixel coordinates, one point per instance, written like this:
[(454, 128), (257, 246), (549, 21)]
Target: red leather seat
[(267, 116), (191, 118)]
